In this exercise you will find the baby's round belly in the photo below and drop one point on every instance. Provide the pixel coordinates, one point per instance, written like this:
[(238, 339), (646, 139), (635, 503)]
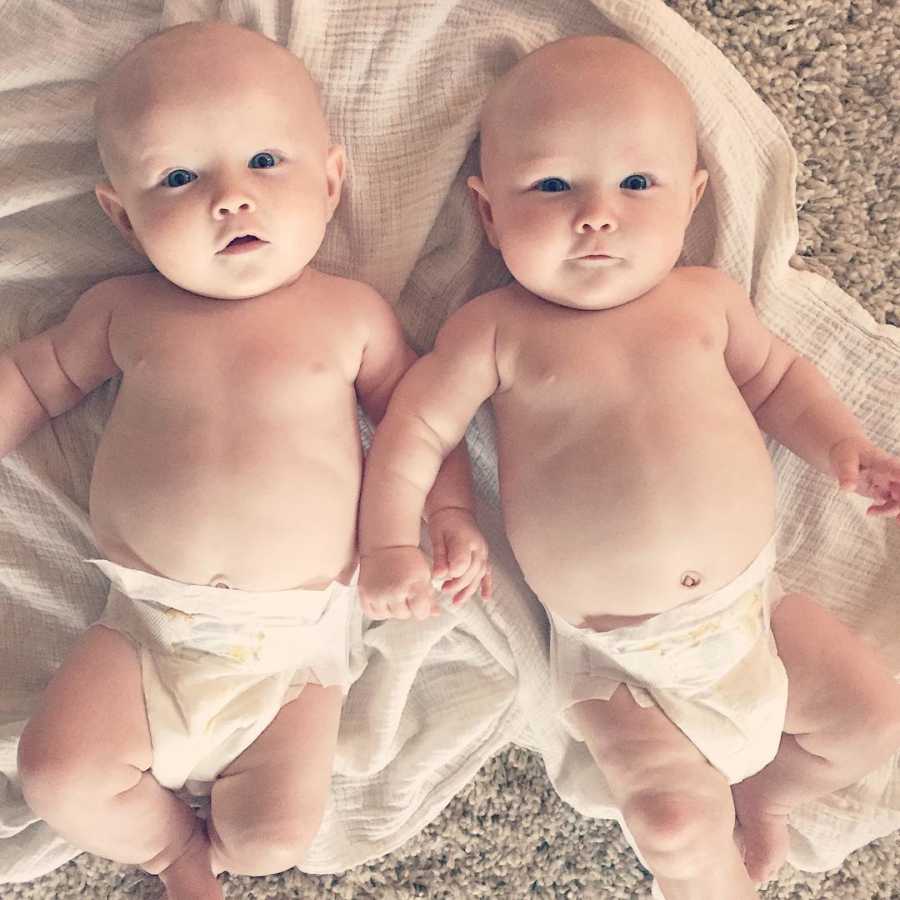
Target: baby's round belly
[(632, 534), (256, 512)]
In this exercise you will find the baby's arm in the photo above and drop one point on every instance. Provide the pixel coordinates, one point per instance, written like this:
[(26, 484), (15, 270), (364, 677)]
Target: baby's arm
[(459, 550), (425, 422), (793, 402), (48, 374)]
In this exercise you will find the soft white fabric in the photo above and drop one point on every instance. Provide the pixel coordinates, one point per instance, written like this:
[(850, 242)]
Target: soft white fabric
[(710, 665), (402, 84), (217, 665)]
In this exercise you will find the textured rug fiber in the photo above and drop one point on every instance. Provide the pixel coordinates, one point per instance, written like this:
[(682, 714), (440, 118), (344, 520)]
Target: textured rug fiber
[(830, 70)]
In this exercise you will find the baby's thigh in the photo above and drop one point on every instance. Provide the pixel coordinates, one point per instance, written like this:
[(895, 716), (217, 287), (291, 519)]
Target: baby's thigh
[(90, 719), (837, 682), (640, 750), (268, 804), (672, 799)]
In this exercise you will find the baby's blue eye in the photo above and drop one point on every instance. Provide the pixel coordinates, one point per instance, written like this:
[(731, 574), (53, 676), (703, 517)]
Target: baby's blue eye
[(635, 183), (552, 185), (178, 178), (262, 161)]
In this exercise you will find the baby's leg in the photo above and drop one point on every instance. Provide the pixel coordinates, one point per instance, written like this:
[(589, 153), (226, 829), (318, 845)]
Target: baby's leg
[(677, 806), (84, 761), (268, 804), (843, 720)]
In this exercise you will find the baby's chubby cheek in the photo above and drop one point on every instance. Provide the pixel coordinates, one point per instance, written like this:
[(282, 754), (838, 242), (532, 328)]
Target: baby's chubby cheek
[(163, 237), (534, 252)]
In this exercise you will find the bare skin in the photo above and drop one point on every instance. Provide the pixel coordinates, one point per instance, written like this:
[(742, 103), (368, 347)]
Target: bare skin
[(629, 395), (232, 452)]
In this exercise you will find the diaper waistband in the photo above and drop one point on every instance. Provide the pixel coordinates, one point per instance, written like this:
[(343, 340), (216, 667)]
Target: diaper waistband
[(253, 631), (296, 605), (693, 616), (687, 649)]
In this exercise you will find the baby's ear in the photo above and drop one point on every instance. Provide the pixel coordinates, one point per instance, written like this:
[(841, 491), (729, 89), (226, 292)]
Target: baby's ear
[(483, 203), (111, 204), (701, 178), (335, 163)]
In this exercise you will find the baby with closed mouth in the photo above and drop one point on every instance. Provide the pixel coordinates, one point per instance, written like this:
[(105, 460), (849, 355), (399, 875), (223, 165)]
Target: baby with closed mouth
[(638, 494)]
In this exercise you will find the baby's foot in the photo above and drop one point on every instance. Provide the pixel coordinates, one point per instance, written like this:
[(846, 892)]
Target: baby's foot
[(762, 834), (190, 877)]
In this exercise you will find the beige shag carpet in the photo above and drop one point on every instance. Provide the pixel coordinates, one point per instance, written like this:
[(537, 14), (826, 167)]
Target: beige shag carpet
[(830, 70)]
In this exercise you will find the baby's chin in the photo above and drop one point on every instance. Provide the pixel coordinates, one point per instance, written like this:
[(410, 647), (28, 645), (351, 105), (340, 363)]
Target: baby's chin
[(584, 298), (233, 288), (598, 291)]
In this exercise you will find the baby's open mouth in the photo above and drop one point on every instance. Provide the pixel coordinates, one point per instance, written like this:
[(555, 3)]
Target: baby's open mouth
[(242, 243)]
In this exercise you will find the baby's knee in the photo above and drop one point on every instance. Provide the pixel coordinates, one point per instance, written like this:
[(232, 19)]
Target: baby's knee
[(268, 848), (877, 722), (49, 777), (675, 830)]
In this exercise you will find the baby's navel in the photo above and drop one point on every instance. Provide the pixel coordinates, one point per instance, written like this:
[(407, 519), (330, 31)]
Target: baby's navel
[(690, 579)]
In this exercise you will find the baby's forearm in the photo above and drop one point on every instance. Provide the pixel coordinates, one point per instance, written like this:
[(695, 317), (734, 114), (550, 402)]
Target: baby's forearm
[(20, 411), (805, 414), (453, 485), (401, 469)]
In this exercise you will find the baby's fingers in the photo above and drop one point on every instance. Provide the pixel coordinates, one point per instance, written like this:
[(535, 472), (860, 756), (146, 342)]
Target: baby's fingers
[(889, 507), (466, 593), (882, 467), (487, 583), (466, 584), (399, 609), (375, 607), (461, 551), (439, 564), (422, 602), (385, 602)]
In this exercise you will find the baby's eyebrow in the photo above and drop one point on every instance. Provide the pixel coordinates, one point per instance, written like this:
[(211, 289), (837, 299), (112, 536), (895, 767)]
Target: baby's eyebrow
[(152, 161), (542, 161)]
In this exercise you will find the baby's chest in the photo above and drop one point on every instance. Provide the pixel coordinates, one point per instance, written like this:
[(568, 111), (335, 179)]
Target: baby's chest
[(243, 355), (617, 353)]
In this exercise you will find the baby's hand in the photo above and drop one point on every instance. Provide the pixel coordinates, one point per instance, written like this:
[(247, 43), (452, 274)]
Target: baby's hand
[(862, 467), (460, 554), (395, 583)]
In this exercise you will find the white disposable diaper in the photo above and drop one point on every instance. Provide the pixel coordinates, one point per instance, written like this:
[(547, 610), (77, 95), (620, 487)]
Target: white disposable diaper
[(218, 664), (710, 665)]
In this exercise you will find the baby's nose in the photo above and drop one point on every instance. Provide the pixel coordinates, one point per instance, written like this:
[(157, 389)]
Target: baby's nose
[(596, 222), (230, 195), (596, 214), (232, 203)]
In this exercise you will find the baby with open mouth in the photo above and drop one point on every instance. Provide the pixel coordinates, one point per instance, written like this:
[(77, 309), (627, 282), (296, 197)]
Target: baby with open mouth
[(225, 488)]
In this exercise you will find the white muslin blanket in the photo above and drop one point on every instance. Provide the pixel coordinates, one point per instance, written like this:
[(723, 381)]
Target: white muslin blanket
[(402, 84)]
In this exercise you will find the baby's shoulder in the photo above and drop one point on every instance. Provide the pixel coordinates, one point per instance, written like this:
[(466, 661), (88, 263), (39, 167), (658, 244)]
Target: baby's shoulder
[(706, 279), (354, 313), (477, 316), (472, 329), (488, 308), (346, 295), (112, 294)]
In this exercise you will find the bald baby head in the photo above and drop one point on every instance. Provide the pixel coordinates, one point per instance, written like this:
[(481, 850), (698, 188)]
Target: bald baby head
[(582, 76), (194, 61)]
